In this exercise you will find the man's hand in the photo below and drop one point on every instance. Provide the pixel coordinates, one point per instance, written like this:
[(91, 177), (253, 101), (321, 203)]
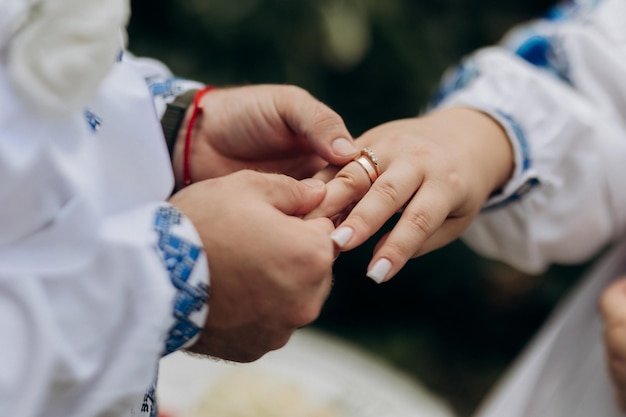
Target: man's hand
[(269, 128), (613, 308), (271, 271)]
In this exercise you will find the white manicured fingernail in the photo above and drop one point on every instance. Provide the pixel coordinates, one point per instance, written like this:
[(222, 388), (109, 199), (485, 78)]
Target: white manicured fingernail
[(341, 236), (379, 270), (343, 147)]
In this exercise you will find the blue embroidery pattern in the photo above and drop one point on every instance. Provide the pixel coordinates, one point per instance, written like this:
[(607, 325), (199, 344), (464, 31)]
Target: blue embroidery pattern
[(526, 164), (165, 88), (542, 51), (570, 8), (179, 256), (540, 44), (521, 138), (456, 79), (93, 120)]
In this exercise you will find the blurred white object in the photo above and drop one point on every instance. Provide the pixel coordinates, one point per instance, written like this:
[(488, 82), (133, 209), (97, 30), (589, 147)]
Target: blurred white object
[(58, 51), (563, 372), (330, 372)]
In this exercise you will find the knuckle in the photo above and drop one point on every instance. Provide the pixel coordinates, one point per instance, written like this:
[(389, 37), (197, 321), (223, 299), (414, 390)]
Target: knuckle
[(246, 357), (420, 221), (306, 313), (321, 259), (347, 178), (296, 92), (278, 342), (353, 180), (251, 177), (396, 252), (315, 259), (324, 117), (455, 182), (387, 191)]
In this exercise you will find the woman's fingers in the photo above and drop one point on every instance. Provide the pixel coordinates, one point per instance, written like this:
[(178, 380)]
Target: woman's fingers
[(388, 194), (613, 310), (421, 220)]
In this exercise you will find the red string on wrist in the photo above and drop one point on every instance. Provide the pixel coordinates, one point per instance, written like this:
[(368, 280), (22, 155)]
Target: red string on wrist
[(192, 119)]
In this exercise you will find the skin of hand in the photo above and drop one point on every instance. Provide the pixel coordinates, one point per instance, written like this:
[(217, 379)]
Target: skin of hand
[(269, 128), (271, 270), (613, 310), (438, 170)]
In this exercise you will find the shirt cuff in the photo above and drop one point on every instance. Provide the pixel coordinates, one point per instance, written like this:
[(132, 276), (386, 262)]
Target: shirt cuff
[(165, 89), (180, 250)]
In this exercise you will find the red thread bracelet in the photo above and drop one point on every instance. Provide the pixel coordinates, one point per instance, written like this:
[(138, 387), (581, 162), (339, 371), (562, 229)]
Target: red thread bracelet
[(192, 119)]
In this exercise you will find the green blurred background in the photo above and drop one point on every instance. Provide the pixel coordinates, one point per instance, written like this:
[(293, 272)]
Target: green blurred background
[(450, 318)]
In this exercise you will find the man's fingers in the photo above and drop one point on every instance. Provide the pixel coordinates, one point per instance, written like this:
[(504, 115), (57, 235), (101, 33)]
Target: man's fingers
[(347, 187), (322, 224), (328, 173), (287, 194), (322, 127)]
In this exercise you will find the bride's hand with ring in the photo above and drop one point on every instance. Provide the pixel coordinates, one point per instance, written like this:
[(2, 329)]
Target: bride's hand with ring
[(438, 170)]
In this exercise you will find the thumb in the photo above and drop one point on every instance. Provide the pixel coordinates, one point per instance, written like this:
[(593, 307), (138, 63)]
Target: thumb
[(322, 127), (297, 198), (613, 302)]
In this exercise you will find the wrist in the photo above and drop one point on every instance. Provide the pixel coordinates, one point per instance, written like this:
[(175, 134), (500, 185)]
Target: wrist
[(181, 143), (485, 141), (178, 149), (173, 118), (494, 148)]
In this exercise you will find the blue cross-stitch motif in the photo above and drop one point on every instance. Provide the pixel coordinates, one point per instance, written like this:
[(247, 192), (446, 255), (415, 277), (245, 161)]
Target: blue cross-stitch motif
[(544, 52), (93, 120), (520, 136), (454, 80), (164, 88), (568, 9), (179, 257), (526, 164)]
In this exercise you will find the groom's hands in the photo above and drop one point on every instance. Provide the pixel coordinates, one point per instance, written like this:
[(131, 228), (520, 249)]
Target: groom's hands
[(269, 128), (270, 270)]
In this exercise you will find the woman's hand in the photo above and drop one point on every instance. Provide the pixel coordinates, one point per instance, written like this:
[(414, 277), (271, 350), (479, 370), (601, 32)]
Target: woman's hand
[(269, 128), (438, 170), (613, 309)]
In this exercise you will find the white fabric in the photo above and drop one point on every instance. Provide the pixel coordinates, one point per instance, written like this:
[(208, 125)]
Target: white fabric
[(85, 299), (565, 113), (563, 371), (56, 51)]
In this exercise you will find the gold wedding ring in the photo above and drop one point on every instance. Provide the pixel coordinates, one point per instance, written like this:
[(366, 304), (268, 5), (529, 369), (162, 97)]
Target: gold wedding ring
[(368, 161)]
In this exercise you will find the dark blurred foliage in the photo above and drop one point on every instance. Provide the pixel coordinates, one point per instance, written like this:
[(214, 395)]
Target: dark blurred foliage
[(450, 318)]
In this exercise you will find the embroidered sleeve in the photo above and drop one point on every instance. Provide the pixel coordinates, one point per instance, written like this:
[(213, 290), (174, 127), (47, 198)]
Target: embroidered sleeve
[(556, 86), (179, 256)]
